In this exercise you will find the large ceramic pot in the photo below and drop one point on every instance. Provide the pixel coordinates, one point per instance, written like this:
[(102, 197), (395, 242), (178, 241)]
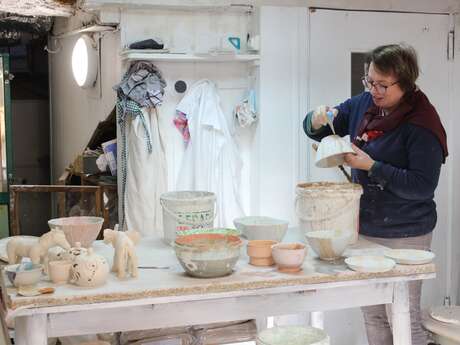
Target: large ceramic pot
[(89, 269)]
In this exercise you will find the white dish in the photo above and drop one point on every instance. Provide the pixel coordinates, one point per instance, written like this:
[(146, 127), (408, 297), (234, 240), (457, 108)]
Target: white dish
[(446, 314), (370, 263), (410, 256)]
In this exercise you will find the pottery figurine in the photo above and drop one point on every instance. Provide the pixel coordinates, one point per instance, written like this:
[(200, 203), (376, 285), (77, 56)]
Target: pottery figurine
[(125, 258), (89, 270), (289, 256), (260, 252), (17, 248), (59, 271)]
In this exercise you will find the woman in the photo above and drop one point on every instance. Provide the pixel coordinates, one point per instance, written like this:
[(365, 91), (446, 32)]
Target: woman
[(400, 145)]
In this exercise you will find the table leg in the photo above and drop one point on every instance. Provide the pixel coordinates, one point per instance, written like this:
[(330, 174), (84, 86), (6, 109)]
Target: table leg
[(317, 319), (31, 330), (401, 315)]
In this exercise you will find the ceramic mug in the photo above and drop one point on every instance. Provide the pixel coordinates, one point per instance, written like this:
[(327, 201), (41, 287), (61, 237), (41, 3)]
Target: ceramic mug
[(59, 271)]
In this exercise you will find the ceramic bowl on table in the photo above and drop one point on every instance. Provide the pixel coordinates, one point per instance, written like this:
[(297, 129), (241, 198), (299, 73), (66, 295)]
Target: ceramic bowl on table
[(289, 256), (260, 252), (370, 263), (208, 255), (24, 275), (328, 244), (292, 335), (261, 228), (331, 151), (78, 229)]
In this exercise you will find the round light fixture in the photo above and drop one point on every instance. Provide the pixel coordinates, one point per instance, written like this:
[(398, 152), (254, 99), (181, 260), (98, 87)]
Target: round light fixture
[(84, 62)]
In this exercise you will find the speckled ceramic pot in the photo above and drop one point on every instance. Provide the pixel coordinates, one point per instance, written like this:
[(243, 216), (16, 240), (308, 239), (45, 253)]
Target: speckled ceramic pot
[(89, 270), (208, 255), (289, 256)]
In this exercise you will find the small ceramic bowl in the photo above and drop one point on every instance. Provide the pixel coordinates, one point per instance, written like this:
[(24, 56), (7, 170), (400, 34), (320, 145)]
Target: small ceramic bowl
[(260, 252), (289, 256), (328, 244), (59, 271), (331, 151), (208, 255), (262, 228), (27, 277)]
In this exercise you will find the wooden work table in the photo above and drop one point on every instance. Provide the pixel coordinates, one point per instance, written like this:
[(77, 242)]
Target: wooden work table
[(163, 296)]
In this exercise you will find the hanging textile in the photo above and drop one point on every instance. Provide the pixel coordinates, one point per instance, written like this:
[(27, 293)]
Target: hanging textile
[(211, 160), (143, 169)]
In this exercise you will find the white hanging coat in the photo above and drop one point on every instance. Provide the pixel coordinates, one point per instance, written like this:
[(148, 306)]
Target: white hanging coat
[(211, 161), (146, 177)]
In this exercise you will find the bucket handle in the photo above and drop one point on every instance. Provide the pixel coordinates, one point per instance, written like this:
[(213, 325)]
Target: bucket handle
[(333, 215), (180, 220)]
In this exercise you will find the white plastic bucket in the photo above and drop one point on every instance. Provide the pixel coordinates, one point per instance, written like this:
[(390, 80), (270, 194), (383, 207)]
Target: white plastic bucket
[(185, 210), (329, 206)]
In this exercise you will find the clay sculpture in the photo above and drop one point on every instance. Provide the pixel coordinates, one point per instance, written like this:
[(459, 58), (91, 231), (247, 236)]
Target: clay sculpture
[(17, 248), (125, 258), (89, 270)]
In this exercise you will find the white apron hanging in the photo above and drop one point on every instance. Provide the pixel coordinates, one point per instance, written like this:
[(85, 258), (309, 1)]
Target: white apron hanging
[(211, 160), (146, 175)]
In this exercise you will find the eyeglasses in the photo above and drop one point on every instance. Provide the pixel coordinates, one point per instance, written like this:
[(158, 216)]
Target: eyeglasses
[(381, 89)]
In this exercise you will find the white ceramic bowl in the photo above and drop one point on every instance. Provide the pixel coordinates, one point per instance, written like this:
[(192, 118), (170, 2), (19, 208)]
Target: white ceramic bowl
[(28, 277), (292, 335), (289, 256), (331, 151), (262, 228), (328, 244), (78, 229)]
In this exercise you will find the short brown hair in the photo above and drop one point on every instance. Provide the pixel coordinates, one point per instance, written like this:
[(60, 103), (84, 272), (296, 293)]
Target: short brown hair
[(397, 59)]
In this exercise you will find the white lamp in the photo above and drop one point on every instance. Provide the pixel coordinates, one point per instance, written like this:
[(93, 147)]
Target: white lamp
[(84, 62)]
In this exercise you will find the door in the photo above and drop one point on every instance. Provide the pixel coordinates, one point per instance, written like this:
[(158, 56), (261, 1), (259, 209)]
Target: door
[(337, 41), (5, 144)]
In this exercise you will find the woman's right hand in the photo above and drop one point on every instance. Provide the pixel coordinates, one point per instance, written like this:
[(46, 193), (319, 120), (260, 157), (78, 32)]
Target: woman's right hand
[(319, 117)]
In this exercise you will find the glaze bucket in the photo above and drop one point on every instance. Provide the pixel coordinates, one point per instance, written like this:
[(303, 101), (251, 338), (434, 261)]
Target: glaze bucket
[(329, 205), (185, 210)]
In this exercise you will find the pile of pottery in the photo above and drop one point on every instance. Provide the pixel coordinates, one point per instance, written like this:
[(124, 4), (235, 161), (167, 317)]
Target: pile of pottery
[(60, 254)]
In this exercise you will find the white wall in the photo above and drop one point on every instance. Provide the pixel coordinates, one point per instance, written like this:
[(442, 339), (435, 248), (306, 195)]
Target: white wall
[(75, 112)]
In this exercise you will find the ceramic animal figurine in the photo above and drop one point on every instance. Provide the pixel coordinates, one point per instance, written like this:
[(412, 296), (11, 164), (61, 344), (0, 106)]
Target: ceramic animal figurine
[(125, 258), (17, 248), (89, 269)]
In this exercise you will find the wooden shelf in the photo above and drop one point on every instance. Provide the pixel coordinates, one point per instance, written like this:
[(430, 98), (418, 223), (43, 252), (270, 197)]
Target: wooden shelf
[(138, 54)]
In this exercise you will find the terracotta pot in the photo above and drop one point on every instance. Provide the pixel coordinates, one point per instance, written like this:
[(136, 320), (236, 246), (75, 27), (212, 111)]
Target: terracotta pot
[(289, 256), (260, 252)]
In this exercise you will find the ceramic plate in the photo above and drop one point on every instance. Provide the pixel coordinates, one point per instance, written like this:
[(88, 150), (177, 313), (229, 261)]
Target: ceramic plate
[(446, 314), (4, 241), (370, 263), (410, 256)]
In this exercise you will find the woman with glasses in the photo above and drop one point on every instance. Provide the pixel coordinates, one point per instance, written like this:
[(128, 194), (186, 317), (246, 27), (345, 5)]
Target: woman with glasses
[(400, 145)]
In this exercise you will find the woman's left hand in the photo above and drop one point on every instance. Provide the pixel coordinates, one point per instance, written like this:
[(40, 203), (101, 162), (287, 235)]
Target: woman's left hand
[(359, 160)]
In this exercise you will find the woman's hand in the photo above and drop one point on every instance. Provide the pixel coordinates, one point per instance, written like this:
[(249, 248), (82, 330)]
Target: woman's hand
[(319, 117), (359, 160)]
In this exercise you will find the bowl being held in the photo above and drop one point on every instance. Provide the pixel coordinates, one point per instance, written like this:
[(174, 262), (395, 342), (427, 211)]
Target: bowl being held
[(289, 256), (24, 275), (208, 255), (328, 244), (262, 228), (78, 229), (260, 252), (331, 151)]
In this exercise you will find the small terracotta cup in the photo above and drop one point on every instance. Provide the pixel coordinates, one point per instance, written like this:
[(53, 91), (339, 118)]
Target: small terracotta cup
[(289, 256), (260, 252), (59, 271)]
